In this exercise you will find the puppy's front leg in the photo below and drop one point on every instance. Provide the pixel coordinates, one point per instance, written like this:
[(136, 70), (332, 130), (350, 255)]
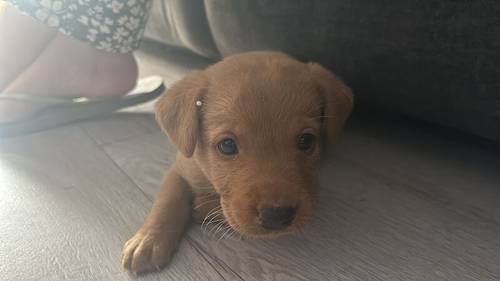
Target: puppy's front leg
[(153, 244)]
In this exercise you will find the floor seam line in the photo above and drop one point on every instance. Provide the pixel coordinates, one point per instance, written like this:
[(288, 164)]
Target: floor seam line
[(200, 252), (118, 167), (221, 263)]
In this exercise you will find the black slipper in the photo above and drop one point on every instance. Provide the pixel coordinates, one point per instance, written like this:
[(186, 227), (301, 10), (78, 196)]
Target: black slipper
[(60, 111)]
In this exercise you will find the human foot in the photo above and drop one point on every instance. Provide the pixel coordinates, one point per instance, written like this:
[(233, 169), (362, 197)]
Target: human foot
[(69, 68)]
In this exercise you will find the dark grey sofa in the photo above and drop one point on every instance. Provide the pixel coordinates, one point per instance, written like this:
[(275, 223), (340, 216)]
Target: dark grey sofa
[(437, 60)]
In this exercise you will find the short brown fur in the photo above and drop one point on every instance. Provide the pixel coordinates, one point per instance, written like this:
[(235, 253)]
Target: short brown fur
[(263, 100)]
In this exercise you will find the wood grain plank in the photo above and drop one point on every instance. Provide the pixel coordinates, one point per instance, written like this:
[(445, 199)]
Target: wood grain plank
[(145, 159), (66, 209), (443, 166), (120, 126)]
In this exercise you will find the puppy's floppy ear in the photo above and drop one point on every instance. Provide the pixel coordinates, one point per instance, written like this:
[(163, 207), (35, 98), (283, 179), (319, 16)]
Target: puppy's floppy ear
[(337, 100), (177, 113)]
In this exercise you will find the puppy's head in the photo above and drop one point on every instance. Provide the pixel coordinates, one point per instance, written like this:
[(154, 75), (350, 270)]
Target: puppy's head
[(254, 124)]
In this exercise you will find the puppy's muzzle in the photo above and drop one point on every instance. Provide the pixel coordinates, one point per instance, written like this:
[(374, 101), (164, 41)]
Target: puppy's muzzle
[(276, 218)]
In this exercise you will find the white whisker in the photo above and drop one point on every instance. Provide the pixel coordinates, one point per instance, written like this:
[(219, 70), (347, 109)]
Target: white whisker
[(228, 229), (212, 219), (213, 211), (217, 224)]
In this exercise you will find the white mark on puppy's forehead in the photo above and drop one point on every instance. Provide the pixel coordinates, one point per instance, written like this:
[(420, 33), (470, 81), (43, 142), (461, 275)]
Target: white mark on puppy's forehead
[(199, 103)]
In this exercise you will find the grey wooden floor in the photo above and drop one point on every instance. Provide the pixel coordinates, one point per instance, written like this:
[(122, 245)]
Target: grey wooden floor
[(397, 202)]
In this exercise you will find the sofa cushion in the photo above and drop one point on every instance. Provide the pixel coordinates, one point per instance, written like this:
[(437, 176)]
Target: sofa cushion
[(181, 23), (437, 60)]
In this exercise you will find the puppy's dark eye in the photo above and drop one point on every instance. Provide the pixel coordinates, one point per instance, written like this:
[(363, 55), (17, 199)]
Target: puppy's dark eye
[(227, 147), (306, 142)]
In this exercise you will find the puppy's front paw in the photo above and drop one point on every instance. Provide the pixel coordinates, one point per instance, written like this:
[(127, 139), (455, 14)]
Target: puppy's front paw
[(147, 251)]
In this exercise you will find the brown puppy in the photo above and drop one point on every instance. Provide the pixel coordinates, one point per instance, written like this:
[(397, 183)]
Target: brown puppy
[(248, 131)]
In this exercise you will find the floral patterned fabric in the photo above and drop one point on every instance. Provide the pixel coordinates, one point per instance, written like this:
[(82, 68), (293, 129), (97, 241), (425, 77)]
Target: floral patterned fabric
[(110, 25)]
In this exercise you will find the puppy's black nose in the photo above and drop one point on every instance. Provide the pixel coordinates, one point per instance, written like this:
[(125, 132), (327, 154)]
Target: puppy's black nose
[(276, 218)]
